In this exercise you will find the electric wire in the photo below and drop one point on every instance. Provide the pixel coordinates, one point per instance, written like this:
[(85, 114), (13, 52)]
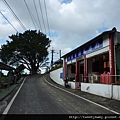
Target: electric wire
[(42, 15), (30, 14), (9, 22), (37, 15), (4, 1), (47, 17)]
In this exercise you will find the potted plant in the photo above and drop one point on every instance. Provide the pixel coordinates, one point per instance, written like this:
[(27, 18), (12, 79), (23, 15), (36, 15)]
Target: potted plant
[(118, 82)]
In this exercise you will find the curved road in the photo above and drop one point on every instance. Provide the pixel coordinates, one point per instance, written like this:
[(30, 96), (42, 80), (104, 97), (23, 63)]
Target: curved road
[(38, 97)]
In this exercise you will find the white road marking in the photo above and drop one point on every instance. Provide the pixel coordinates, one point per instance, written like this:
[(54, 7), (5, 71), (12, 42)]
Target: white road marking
[(81, 97), (11, 102)]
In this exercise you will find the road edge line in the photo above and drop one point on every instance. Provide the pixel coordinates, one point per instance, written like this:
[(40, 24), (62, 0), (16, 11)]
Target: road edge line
[(82, 97), (11, 102)]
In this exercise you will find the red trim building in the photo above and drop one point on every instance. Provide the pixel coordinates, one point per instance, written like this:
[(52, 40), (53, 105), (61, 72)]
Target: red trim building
[(96, 61)]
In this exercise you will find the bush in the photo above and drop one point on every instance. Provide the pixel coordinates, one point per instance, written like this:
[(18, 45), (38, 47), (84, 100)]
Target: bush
[(56, 67), (4, 79)]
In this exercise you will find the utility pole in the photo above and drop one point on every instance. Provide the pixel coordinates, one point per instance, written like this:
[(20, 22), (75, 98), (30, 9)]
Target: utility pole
[(52, 51), (60, 54)]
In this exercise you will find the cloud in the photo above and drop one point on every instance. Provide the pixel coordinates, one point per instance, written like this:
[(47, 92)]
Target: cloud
[(80, 21), (71, 23)]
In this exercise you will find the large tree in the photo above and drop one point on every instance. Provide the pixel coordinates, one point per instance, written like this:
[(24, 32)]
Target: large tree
[(29, 48)]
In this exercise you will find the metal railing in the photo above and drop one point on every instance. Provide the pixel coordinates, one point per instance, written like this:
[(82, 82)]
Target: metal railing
[(103, 79)]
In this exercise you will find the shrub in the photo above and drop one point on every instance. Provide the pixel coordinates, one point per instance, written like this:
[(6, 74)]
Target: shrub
[(57, 67), (4, 79)]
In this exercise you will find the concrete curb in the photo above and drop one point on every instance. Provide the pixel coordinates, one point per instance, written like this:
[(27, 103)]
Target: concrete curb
[(111, 104), (5, 92)]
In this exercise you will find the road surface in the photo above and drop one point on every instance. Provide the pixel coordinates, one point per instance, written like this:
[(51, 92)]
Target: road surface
[(36, 96)]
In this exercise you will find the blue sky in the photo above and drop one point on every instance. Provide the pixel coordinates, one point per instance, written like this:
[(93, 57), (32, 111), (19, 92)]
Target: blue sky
[(65, 1), (71, 22)]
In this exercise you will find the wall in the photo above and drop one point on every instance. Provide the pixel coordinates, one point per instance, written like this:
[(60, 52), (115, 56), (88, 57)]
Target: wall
[(116, 92), (106, 41), (104, 90), (56, 76), (97, 89)]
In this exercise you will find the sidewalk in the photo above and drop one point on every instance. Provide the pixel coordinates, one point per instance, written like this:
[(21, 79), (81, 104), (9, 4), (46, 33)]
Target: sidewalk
[(5, 91), (111, 104)]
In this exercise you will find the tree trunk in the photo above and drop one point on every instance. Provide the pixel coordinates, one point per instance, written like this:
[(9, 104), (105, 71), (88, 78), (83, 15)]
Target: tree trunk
[(34, 70)]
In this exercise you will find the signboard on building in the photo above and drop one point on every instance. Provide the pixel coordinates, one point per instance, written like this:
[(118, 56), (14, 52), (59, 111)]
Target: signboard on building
[(91, 48)]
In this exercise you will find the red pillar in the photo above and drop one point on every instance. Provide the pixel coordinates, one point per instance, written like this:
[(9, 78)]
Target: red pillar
[(77, 70), (65, 68), (85, 69), (111, 58)]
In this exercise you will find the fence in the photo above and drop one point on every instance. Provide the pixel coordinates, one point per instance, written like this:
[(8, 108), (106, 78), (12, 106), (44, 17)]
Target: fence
[(103, 79)]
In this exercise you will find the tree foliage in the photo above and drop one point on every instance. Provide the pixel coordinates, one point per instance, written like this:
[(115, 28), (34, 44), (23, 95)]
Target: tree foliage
[(28, 48), (20, 68)]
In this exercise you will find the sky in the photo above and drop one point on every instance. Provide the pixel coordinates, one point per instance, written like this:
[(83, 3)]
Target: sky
[(68, 23)]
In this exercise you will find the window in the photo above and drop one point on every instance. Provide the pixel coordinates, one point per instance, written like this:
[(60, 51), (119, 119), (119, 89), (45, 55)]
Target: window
[(73, 70)]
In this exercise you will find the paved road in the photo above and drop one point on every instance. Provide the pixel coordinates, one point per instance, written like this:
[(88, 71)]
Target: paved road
[(38, 97)]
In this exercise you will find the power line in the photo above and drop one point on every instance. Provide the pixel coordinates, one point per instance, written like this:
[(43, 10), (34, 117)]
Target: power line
[(14, 14), (9, 22), (42, 15), (47, 17), (37, 16), (29, 13)]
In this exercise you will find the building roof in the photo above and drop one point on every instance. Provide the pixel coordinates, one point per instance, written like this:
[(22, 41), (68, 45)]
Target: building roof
[(5, 67), (92, 40)]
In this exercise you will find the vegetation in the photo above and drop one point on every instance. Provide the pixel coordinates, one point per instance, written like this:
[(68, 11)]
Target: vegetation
[(28, 48), (4, 79), (118, 80), (56, 67)]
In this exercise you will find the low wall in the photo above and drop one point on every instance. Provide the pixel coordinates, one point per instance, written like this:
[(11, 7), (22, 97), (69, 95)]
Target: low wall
[(116, 92), (57, 76), (73, 85), (97, 89), (104, 90)]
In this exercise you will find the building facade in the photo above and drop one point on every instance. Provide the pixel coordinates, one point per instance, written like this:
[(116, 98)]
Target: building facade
[(97, 61)]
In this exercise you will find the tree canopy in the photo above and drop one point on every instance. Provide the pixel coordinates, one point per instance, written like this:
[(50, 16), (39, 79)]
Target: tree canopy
[(29, 48)]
